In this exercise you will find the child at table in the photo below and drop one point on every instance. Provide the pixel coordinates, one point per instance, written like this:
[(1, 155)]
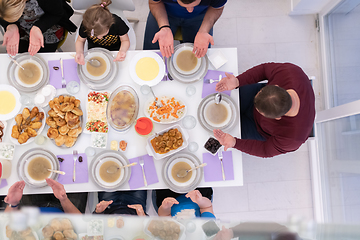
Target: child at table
[(103, 29)]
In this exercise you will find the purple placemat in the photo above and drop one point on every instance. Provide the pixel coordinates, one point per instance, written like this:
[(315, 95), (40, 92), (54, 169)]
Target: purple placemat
[(70, 72), (81, 169), (209, 88), (136, 179), (212, 172), (3, 183), (166, 70)]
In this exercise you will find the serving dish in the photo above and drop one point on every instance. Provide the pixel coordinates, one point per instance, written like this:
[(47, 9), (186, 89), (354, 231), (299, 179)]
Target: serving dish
[(13, 69), (103, 157), (23, 163), (185, 137), (6, 92), (147, 54), (3, 127), (122, 108), (7, 150), (231, 105), (187, 78), (105, 80), (195, 180), (96, 112), (172, 110), (7, 233), (174, 229), (38, 131)]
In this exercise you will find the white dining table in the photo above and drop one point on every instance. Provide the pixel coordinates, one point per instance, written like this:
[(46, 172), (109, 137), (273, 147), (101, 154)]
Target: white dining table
[(136, 143)]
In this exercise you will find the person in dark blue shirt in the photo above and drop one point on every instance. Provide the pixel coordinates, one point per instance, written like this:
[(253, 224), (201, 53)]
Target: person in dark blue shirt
[(196, 19)]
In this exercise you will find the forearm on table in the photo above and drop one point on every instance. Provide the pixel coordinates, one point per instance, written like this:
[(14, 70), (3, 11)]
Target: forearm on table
[(211, 16), (68, 206), (159, 12), (164, 212)]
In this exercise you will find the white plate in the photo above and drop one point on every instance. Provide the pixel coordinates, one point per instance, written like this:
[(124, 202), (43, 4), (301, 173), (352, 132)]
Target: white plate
[(193, 175), (97, 172), (17, 69), (16, 94), (174, 60), (171, 119), (141, 55), (30, 140), (150, 150), (92, 55), (217, 125), (31, 180)]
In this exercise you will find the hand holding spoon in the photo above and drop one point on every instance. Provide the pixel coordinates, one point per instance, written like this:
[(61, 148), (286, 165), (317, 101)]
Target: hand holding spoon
[(113, 169), (27, 72), (182, 173)]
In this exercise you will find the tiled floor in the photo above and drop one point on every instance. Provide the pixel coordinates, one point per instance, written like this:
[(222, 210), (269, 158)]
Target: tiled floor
[(262, 31)]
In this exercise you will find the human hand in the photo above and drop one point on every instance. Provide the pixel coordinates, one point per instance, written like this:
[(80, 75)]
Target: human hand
[(36, 40), (168, 202), (225, 139), (194, 195), (201, 43), (229, 82), (15, 193), (166, 41), (120, 56), (58, 189), (139, 209), (101, 206), (224, 234), (11, 39), (79, 58)]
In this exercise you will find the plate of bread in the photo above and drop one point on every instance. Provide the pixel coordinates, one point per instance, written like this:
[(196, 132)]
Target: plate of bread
[(27, 125), (64, 120)]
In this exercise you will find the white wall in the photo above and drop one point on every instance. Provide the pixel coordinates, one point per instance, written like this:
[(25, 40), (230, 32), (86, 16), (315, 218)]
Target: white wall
[(303, 7)]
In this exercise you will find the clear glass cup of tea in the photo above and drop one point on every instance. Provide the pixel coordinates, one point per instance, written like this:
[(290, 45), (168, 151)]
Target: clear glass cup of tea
[(26, 100), (40, 139), (72, 87), (145, 89), (190, 90)]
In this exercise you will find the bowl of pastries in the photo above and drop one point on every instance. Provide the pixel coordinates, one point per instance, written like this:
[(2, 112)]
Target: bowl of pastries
[(27, 234), (27, 125), (164, 229), (65, 120), (59, 228)]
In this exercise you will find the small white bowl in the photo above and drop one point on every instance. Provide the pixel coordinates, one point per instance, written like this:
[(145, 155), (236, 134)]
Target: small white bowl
[(217, 59)]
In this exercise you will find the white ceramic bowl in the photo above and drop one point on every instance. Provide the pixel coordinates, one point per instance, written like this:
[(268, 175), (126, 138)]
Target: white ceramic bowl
[(17, 69), (217, 125), (172, 179), (16, 94), (92, 55), (174, 60), (97, 172)]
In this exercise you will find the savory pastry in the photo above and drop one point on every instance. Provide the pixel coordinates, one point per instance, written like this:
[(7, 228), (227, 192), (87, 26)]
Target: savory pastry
[(51, 122), (66, 99), (61, 99), (75, 132), (77, 111), (52, 113), (15, 132), (31, 132), (56, 225), (70, 234), (70, 141), (35, 125), (71, 118), (66, 107), (56, 101), (72, 99), (23, 137), (170, 140), (66, 224), (59, 121), (60, 140), (75, 125), (47, 231), (58, 235), (52, 133), (25, 232), (77, 103), (18, 119), (8, 231), (63, 130), (51, 103)]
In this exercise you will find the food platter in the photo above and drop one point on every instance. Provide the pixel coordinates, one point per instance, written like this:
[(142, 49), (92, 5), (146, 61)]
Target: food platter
[(96, 106), (158, 62), (65, 126), (104, 80), (185, 137), (189, 185), (12, 92), (122, 108), (13, 70), (228, 102), (104, 157), (187, 78), (174, 107), (31, 139), (29, 155)]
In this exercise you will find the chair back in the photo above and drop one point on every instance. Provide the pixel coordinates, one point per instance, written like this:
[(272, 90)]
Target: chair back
[(124, 5)]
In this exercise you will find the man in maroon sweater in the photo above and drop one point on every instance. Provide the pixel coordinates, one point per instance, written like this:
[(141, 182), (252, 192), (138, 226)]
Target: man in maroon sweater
[(266, 130)]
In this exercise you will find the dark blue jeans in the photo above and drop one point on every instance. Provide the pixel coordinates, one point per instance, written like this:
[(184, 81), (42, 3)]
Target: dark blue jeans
[(125, 198), (189, 29), (246, 97)]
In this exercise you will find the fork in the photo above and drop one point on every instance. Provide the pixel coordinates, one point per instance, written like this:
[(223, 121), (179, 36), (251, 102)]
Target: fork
[(63, 82), (75, 156), (210, 81), (141, 162)]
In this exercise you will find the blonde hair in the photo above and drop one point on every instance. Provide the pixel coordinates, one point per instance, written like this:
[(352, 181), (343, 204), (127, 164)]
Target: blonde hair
[(97, 19), (11, 10)]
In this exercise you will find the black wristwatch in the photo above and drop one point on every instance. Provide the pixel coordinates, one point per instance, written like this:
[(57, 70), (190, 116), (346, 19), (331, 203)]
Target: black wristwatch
[(14, 206)]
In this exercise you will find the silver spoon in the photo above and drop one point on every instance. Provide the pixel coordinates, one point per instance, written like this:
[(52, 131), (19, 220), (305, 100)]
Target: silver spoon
[(28, 73), (182, 173), (55, 171), (157, 103), (94, 62), (113, 169), (218, 98)]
